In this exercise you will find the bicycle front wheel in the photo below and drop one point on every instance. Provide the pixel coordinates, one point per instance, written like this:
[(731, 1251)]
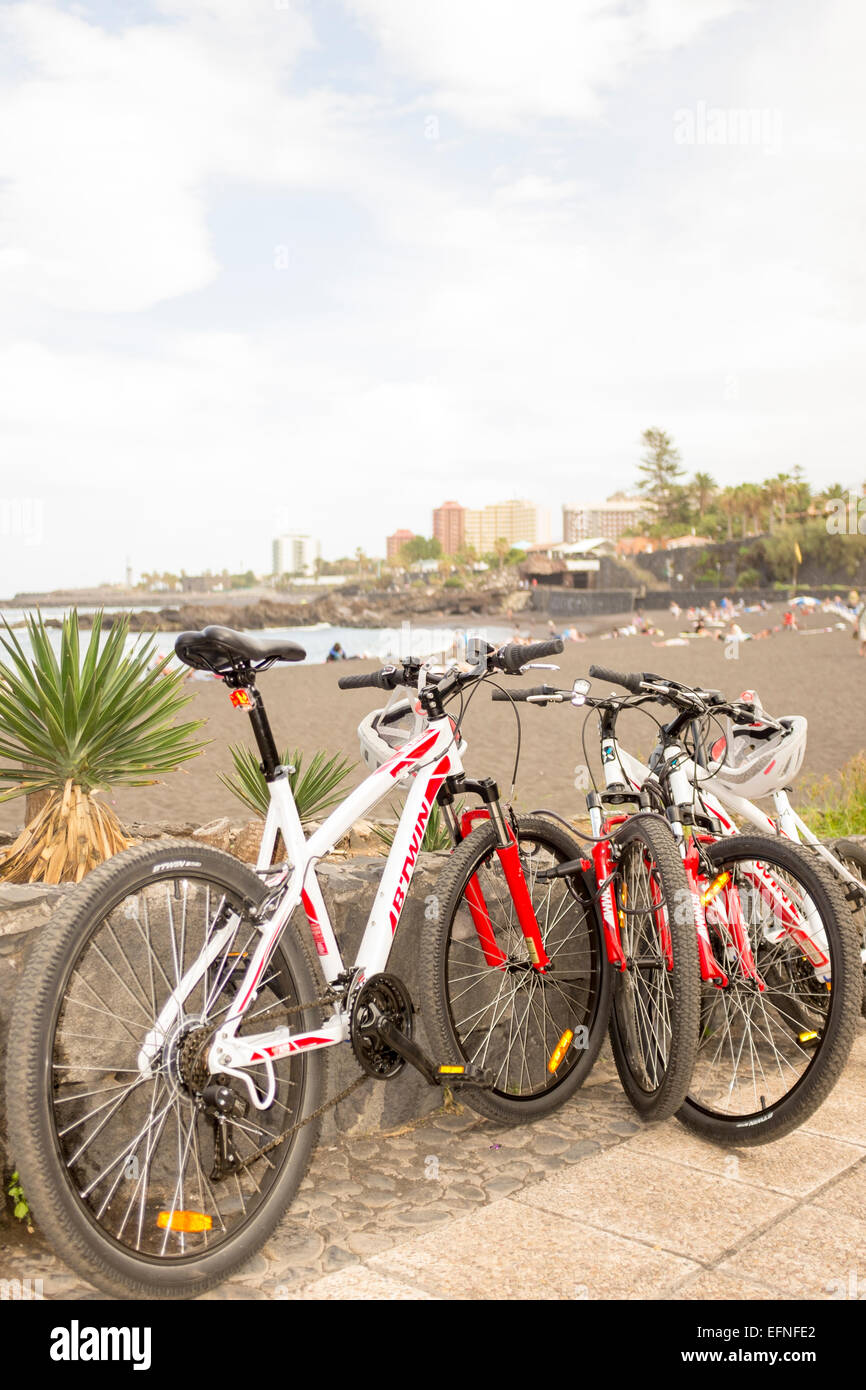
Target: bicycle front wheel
[(775, 1038), (656, 999), (484, 1001), (141, 1180)]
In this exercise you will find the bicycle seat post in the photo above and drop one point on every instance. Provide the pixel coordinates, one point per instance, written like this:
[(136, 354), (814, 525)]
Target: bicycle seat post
[(242, 678)]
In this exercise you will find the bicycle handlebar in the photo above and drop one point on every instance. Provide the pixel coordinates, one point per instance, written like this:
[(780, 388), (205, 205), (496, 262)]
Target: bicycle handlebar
[(632, 680), (528, 692), (516, 655), (386, 679), (511, 659)]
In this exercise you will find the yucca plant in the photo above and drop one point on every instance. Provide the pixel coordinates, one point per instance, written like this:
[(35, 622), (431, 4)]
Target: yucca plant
[(437, 834), (315, 787), (74, 725)]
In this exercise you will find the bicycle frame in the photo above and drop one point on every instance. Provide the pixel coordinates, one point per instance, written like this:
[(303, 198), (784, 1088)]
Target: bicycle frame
[(432, 756)]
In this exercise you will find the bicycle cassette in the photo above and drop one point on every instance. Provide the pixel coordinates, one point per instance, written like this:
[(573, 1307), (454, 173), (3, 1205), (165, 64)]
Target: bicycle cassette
[(382, 996)]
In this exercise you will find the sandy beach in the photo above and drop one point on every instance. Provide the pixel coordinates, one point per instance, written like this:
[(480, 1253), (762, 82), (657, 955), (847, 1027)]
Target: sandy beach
[(811, 672)]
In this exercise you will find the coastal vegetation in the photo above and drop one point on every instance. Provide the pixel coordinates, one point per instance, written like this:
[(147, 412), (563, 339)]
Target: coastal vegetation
[(76, 723), (836, 806), (315, 787), (781, 510)]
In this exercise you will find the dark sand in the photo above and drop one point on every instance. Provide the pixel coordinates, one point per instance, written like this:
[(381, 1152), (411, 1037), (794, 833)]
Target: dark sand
[(817, 674)]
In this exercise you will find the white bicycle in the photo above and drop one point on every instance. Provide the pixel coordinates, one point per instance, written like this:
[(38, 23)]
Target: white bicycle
[(167, 1060)]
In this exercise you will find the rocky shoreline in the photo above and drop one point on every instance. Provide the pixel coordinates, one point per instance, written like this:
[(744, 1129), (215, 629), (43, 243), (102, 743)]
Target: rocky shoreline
[(346, 607)]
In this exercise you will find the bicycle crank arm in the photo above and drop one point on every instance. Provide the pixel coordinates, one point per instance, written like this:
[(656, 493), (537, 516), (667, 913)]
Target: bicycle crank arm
[(433, 1073)]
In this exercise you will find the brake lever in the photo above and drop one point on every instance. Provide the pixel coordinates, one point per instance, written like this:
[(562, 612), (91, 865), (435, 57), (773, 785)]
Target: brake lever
[(538, 666)]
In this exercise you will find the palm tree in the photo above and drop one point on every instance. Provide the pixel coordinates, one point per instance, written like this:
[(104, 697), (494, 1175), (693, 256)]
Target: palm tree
[(753, 502), (75, 724), (779, 490), (729, 504), (704, 489)]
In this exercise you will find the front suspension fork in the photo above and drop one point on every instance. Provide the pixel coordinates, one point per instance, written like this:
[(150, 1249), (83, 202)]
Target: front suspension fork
[(509, 856)]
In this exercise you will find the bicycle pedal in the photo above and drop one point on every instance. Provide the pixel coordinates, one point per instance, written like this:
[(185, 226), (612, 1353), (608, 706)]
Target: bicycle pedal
[(457, 1076)]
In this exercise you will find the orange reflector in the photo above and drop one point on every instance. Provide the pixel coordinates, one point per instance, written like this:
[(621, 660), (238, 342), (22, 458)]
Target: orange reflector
[(241, 699), (451, 1071), (715, 888), (809, 1036), (560, 1050), (187, 1221)]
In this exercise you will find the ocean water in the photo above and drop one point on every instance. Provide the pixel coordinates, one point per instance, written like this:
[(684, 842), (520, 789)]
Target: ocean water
[(377, 644)]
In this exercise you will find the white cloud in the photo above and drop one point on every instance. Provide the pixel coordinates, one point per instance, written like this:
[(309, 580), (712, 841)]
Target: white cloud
[(511, 319), (496, 63), (113, 142)]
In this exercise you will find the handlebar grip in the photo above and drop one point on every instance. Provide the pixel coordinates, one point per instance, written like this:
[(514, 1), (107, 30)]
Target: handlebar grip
[(386, 679), (632, 680), (515, 655), (525, 692)]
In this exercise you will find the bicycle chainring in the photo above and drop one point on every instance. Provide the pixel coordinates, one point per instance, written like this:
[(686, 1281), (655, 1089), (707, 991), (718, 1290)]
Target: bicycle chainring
[(380, 996)]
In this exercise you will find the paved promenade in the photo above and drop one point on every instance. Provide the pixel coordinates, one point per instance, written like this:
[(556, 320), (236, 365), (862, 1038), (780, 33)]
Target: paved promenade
[(589, 1204)]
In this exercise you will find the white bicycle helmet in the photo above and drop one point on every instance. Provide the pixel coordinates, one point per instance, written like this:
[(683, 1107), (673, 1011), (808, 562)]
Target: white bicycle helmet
[(379, 741), (759, 759)]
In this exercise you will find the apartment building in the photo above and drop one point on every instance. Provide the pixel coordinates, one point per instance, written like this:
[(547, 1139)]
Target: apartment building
[(449, 527), (394, 544), (295, 554), (605, 519), (517, 521)]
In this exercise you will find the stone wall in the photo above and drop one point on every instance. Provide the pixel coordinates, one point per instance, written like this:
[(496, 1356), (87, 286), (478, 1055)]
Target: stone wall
[(581, 603)]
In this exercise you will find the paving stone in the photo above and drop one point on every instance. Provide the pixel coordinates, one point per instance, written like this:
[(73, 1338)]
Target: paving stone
[(377, 1200), (335, 1257), (455, 1124), (231, 1291), (549, 1144), (580, 1150), (422, 1216), (668, 1204), (795, 1164), (376, 1182), (842, 1116), (342, 1187), (503, 1187), (847, 1195), (712, 1285), (364, 1243), (811, 1253), (360, 1283), (558, 1259)]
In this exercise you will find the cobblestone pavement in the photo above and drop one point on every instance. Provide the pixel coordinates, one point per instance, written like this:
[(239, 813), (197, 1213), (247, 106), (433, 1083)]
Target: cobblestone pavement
[(588, 1204)]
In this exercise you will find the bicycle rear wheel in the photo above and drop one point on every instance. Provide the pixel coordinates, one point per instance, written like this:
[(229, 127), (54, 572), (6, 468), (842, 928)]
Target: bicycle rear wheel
[(510, 1017), (138, 1179), (656, 1000), (853, 856), (769, 1056)]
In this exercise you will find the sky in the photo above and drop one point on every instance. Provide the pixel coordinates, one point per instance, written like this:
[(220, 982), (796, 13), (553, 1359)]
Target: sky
[(317, 266)]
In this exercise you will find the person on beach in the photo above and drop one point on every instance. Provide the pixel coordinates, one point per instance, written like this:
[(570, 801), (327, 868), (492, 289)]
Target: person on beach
[(336, 653), (858, 606)]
